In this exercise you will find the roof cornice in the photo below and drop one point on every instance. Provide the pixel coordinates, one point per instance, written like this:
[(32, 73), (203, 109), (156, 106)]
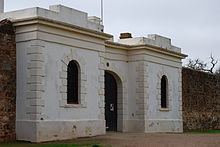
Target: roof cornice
[(61, 25), (144, 47)]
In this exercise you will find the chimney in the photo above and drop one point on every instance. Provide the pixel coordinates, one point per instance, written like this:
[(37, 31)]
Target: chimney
[(1, 6), (125, 35)]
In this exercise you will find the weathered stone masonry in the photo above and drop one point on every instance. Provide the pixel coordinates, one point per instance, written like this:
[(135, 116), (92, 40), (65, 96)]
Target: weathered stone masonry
[(7, 81), (201, 100)]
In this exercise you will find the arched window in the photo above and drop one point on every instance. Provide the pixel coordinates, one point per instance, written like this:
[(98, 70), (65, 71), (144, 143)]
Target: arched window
[(164, 86), (72, 83)]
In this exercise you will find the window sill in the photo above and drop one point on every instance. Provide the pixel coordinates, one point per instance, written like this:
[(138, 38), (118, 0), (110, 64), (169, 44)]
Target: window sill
[(164, 109), (75, 106)]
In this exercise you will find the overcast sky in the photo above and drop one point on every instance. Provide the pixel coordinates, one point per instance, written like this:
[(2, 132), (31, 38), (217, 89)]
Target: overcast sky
[(193, 25)]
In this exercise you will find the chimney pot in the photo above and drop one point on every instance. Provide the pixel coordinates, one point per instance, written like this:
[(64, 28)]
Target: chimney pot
[(125, 35)]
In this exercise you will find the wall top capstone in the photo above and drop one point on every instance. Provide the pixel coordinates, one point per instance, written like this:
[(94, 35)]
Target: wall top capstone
[(152, 39), (58, 13)]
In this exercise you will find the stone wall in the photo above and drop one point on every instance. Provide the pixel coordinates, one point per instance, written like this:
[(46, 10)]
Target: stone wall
[(201, 100), (7, 81)]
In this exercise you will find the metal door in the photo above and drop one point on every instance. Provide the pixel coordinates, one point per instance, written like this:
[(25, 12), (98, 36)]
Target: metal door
[(110, 102)]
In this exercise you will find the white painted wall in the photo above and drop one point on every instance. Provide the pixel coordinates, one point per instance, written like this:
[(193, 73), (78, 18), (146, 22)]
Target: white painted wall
[(135, 115), (80, 120), (53, 111), (160, 120), (43, 51)]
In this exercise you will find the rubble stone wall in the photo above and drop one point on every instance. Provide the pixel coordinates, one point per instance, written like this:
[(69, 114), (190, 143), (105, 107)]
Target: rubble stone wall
[(201, 100), (7, 81)]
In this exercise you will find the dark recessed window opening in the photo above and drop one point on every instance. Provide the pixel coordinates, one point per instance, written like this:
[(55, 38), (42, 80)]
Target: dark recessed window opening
[(164, 91), (72, 83)]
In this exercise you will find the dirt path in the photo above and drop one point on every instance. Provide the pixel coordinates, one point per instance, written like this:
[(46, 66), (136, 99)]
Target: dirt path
[(157, 140)]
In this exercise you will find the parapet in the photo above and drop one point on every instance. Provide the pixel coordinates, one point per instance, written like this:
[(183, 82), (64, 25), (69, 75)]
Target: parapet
[(57, 13), (153, 40)]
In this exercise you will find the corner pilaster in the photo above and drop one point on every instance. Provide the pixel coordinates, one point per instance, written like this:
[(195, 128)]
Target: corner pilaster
[(35, 82), (142, 91)]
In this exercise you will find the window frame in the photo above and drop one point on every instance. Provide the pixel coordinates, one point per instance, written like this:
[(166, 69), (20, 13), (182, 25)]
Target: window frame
[(164, 92), (75, 83)]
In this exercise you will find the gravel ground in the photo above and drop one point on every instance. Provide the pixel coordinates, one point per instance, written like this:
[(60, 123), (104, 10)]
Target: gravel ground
[(157, 140)]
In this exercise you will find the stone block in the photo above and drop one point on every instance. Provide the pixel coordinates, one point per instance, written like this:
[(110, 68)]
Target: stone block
[(63, 75), (34, 110), (35, 80), (37, 72), (36, 102), (35, 50), (35, 65), (36, 57), (36, 87), (63, 89), (34, 95)]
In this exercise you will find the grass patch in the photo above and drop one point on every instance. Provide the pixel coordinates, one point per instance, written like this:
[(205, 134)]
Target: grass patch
[(203, 131), (18, 144)]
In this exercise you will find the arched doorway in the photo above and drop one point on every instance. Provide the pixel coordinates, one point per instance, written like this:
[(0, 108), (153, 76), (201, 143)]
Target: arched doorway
[(111, 94)]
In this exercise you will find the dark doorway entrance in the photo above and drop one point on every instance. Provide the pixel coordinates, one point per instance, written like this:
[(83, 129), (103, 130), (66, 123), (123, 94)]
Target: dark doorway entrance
[(110, 102)]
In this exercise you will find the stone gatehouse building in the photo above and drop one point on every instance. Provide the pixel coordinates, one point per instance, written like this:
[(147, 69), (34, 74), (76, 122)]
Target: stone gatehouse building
[(73, 80)]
